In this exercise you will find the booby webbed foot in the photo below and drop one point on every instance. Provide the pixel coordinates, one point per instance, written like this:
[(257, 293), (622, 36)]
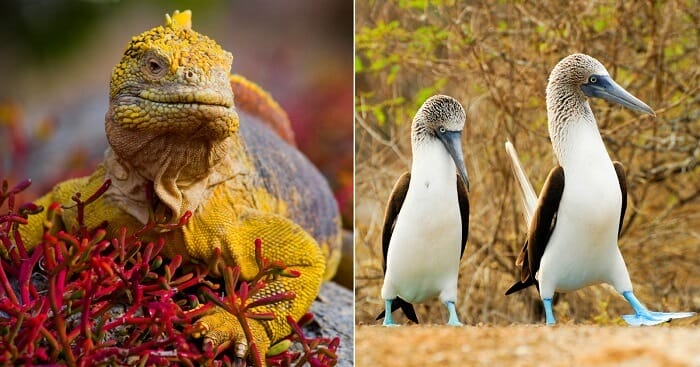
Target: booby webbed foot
[(654, 318), (549, 315), (643, 316), (453, 320), (388, 319)]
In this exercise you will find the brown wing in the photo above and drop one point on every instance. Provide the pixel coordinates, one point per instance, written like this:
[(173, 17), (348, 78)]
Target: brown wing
[(545, 217), (540, 230), (393, 206), (620, 170), (463, 199)]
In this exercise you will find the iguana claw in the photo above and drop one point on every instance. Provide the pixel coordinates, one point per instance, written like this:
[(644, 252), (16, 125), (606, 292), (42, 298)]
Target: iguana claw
[(240, 351), (220, 328)]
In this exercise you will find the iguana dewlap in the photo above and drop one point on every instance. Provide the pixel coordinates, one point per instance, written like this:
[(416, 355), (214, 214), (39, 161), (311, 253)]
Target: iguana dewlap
[(172, 123)]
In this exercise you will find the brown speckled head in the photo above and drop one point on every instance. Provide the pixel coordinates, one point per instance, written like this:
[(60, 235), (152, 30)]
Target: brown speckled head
[(572, 81), (437, 112), (574, 70), (173, 80), (564, 94), (440, 120)]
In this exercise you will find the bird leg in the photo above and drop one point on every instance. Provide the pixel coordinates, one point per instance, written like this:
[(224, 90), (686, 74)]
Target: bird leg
[(549, 315), (643, 316), (453, 320), (388, 319)]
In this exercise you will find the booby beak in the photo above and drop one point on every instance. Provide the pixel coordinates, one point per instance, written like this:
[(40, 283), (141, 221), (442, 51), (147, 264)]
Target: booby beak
[(603, 86), (452, 140)]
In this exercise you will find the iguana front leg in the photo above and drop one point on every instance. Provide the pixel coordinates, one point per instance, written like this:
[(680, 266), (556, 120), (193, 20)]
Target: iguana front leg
[(283, 240), (96, 213)]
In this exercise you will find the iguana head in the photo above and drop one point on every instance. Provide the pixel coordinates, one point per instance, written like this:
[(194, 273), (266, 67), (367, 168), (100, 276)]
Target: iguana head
[(171, 118), (173, 80)]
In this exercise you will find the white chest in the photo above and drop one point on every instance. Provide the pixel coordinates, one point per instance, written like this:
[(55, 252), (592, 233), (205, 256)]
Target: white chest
[(592, 196), (583, 247), (431, 207), (425, 246)]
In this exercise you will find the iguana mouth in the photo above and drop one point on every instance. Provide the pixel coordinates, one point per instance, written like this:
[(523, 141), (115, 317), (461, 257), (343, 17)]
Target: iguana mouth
[(177, 110), (187, 97)]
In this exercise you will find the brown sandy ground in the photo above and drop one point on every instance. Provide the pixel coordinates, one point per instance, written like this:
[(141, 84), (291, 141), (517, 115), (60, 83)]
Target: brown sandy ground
[(528, 345)]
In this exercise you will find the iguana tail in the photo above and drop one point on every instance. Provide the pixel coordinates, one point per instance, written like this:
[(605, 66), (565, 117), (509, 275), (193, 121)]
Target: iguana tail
[(253, 100), (527, 193)]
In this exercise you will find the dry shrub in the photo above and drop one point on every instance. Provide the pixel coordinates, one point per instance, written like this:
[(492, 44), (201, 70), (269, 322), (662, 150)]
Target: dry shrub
[(495, 57)]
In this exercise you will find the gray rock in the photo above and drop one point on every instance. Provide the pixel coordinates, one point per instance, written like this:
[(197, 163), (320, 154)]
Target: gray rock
[(333, 316)]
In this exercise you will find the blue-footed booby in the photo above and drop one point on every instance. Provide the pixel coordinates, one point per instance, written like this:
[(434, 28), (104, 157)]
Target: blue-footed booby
[(575, 224), (426, 221)]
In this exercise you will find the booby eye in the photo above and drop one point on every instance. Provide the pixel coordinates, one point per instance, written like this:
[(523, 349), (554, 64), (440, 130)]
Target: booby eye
[(442, 129), (592, 79)]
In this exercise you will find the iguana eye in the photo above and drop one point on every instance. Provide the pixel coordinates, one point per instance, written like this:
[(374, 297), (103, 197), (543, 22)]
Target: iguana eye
[(155, 66)]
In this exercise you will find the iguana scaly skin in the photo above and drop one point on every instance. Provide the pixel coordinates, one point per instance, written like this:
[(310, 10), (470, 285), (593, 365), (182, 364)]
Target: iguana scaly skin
[(172, 124)]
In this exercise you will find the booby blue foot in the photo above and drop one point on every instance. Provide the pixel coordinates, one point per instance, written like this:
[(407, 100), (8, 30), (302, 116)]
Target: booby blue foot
[(643, 316), (388, 319), (453, 320), (549, 315)]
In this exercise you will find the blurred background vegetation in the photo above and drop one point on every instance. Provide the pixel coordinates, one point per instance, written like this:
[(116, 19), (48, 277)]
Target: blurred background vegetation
[(57, 57), (495, 57)]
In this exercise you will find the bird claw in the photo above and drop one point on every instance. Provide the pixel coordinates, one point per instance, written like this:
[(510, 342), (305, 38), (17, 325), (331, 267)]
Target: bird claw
[(389, 323), (650, 318)]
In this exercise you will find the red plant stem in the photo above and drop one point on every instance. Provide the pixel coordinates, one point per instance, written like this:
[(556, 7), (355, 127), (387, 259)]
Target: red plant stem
[(85, 323), (257, 358), (12, 218), (60, 324), (25, 275), (19, 243), (98, 271), (14, 255), (59, 284), (11, 200), (21, 186), (279, 297), (6, 284), (101, 190), (13, 334), (31, 334), (249, 336), (49, 337)]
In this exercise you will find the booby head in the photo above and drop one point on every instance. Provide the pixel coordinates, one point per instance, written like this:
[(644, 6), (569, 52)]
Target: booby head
[(586, 76), (441, 118)]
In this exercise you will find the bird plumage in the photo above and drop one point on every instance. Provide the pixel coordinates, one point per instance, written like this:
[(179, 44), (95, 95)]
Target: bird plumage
[(575, 223), (426, 218)]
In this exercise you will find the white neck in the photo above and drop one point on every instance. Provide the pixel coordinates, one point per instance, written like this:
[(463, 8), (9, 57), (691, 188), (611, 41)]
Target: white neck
[(432, 162), (572, 128)]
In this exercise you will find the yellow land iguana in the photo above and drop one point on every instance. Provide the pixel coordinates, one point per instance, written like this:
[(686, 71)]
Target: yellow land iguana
[(172, 122)]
